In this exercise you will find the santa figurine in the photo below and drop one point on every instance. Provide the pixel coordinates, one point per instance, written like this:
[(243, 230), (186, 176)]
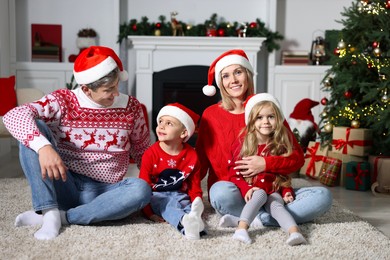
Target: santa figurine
[(302, 123)]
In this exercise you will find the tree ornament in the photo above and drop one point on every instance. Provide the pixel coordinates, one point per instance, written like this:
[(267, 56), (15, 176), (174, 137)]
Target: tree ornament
[(134, 27), (158, 25), (328, 82), (253, 25), (387, 4), (377, 52), (385, 97), (341, 45), (324, 114), (355, 124), (324, 101), (374, 44), (347, 94), (328, 128), (157, 32), (336, 52)]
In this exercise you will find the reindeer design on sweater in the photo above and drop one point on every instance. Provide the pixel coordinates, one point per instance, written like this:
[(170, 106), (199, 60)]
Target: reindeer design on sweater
[(114, 140), (91, 140)]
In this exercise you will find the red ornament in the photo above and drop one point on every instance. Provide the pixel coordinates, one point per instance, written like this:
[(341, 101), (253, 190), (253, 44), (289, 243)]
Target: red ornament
[(369, 65), (374, 44), (388, 4), (134, 27), (324, 101), (347, 94), (158, 25), (253, 25), (336, 52), (221, 32)]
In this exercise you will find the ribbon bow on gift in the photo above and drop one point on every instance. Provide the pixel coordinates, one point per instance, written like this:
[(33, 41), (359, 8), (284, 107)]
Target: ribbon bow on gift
[(311, 153), (359, 175), (340, 143)]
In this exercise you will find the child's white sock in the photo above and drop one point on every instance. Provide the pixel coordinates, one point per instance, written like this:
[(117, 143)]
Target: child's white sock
[(51, 225), (229, 221), (197, 208), (191, 226), (242, 235), (28, 218), (296, 238), (256, 223)]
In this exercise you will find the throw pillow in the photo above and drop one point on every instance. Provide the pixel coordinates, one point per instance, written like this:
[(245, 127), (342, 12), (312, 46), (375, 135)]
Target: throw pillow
[(8, 95)]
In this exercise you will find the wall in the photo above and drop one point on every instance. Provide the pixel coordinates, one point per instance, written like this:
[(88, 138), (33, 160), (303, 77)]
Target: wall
[(4, 40)]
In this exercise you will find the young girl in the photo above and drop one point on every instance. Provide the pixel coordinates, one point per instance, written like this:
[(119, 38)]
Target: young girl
[(264, 135)]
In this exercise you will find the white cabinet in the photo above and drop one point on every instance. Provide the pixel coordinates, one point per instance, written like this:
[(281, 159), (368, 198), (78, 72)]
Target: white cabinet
[(44, 76), (290, 84)]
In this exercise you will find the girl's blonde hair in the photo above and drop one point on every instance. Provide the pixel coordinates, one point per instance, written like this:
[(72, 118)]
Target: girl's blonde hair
[(279, 142), (227, 101)]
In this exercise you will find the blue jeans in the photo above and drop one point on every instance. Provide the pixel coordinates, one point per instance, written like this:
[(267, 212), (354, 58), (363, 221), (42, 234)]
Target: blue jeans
[(309, 203), (171, 206), (85, 200)]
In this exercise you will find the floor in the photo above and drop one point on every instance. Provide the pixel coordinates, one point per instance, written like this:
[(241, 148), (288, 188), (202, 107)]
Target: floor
[(375, 210)]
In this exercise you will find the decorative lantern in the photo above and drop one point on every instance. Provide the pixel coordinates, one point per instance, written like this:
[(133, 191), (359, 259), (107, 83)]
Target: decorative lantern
[(317, 53)]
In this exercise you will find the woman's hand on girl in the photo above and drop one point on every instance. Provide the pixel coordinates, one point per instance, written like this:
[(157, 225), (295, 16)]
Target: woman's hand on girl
[(250, 166)]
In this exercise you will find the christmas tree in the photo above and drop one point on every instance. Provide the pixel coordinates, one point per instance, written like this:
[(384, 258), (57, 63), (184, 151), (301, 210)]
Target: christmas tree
[(358, 80)]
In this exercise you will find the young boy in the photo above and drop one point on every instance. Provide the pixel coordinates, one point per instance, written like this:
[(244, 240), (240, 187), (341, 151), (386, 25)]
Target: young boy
[(171, 168)]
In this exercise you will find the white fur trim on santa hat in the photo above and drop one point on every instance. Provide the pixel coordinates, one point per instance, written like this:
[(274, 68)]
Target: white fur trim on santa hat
[(258, 98), (230, 60), (180, 115), (98, 71), (209, 90)]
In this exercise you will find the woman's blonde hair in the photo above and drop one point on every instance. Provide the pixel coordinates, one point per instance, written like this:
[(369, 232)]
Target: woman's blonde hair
[(227, 101), (279, 143)]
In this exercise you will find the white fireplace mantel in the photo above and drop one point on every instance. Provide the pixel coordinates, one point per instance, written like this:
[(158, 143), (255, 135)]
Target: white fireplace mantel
[(155, 54)]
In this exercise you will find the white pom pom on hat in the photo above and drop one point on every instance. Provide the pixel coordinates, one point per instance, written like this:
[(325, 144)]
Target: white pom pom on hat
[(228, 58), (96, 62), (185, 115), (254, 99)]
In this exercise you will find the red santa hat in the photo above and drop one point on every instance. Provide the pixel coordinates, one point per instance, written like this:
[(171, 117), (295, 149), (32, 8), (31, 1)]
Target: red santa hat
[(254, 99), (302, 110), (96, 62), (185, 115), (225, 59)]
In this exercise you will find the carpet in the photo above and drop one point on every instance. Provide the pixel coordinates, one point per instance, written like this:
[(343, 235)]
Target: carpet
[(339, 234)]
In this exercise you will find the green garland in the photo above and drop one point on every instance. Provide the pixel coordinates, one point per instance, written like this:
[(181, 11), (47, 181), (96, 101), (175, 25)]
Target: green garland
[(222, 29)]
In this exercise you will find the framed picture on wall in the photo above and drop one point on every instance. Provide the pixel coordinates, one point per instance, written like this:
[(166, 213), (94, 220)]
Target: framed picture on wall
[(46, 42)]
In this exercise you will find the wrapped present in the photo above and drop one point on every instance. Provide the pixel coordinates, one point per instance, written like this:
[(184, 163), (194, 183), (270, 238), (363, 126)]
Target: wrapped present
[(330, 171), (352, 141), (315, 154), (345, 158), (380, 177), (358, 176)]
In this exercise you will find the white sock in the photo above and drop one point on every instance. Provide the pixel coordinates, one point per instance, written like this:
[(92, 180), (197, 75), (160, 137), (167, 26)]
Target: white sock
[(242, 235), (191, 226), (296, 238), (197, 208), (28, 218), (229, 221), (256, 223), (51, 225)]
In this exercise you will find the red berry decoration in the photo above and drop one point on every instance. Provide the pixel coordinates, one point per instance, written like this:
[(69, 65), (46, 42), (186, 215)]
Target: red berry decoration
[(158, 25), (347, 94), (324, 101), (221, 32), (253, 25), (134, 27)]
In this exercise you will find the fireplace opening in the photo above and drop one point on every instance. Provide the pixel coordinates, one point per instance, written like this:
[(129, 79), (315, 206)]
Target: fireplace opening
[(184, 85)]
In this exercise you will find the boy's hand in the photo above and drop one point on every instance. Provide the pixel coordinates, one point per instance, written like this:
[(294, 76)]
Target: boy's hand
[(288, 197)]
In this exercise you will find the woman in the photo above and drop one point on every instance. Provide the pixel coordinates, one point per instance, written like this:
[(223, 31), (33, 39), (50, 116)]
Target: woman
[(220, 126)]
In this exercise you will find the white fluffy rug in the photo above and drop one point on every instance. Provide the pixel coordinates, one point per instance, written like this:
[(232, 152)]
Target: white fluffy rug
[(339, 234)]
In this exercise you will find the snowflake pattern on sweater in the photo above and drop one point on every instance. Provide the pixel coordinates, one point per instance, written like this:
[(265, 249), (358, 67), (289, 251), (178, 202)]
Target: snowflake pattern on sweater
[(92, 141)]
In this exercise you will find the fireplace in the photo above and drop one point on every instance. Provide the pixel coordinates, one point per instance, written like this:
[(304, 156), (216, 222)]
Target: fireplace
[(155, 55), (184, 85)]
